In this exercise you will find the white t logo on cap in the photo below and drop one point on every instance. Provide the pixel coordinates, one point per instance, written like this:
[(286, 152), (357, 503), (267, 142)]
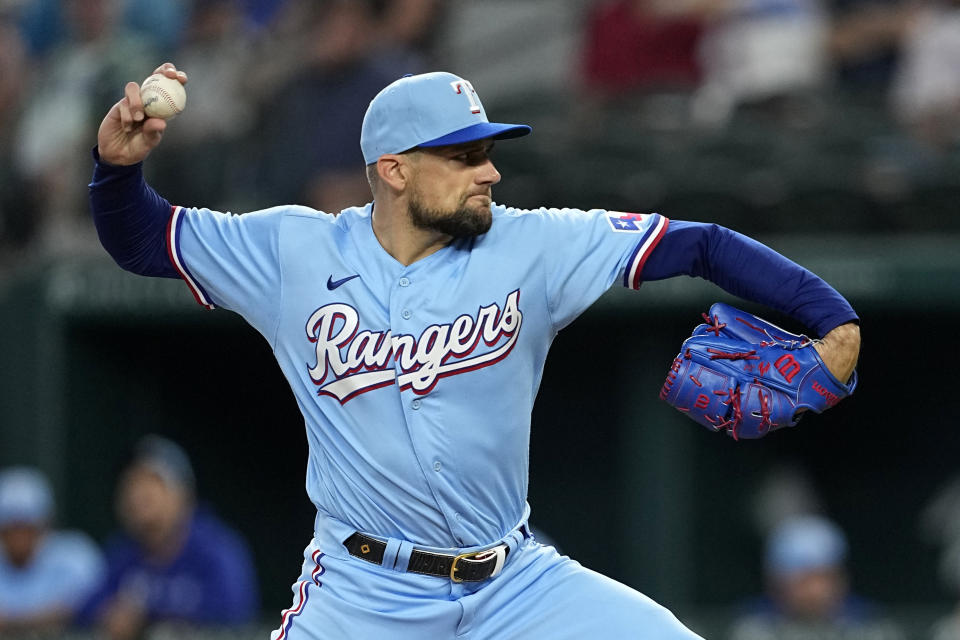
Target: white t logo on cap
[(471, 93)]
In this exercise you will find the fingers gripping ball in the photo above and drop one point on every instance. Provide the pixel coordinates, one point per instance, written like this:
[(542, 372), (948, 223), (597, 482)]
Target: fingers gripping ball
[(162, 97), (741, 374)]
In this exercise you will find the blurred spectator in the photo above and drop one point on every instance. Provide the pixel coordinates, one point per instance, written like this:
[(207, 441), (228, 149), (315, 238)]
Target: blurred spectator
[(865, 40), (940, 525), (327, 60), (644, 45), (404, 33), (261, 14), (768, 53), (163, 24), (175, 564), (209, 138), (14, 70), (41, 23), (926, 87), (44, 22), (947, 628), (515, 53), (76, 84), (397, 34), (45, 575), (786, 491), (808, 589), (16, 221)]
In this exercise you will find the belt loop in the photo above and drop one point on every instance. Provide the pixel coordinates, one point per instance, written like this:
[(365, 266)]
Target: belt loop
[(516, 537), (516, 540), (390, 554), (403, 556)]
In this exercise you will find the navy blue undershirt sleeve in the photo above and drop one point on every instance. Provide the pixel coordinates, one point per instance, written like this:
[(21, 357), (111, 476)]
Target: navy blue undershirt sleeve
[(749, 270), (131, 219)]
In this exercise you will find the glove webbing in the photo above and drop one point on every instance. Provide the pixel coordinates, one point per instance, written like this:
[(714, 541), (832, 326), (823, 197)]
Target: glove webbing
[(733, 395)]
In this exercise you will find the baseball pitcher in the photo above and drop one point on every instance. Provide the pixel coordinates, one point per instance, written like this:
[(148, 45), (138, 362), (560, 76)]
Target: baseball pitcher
[(413, 332)]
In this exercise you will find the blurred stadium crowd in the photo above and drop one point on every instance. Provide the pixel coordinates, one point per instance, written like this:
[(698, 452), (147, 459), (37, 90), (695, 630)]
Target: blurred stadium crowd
[(296, 73), (173, 561), (696, 107), (766, 115)]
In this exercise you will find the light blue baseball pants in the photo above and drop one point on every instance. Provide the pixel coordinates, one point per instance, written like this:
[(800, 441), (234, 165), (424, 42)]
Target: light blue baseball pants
[(539, 594)]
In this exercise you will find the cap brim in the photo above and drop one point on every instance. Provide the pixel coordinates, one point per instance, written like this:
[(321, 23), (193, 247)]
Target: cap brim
[(479, 131)]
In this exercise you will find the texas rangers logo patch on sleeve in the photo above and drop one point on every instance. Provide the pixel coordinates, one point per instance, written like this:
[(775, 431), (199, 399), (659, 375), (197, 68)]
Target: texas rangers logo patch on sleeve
[(626, 222)]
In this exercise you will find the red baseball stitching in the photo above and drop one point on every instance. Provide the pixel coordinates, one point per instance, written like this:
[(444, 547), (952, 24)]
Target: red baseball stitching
[(166, 96)]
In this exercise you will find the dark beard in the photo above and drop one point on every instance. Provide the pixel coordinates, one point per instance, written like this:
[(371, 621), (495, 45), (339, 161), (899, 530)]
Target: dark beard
[(463, 222)]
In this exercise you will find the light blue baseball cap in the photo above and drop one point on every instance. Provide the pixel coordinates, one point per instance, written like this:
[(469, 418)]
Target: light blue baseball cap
[(25, 497), (166, 459), (428, 110), (805, 543)]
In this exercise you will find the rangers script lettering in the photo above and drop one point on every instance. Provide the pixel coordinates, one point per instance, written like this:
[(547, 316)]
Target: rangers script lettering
[(342, 351)]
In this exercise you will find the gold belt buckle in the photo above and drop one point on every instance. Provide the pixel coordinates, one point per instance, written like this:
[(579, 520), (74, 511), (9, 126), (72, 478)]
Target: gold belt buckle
[(476, 554)]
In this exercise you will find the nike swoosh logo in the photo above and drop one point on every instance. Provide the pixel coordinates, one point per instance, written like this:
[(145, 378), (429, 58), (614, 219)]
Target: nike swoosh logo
[(333, 284)]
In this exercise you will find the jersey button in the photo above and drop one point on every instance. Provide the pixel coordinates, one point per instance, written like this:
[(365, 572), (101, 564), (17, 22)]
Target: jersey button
[(416, 403), (405, 314), (437, 466), (404, 282)]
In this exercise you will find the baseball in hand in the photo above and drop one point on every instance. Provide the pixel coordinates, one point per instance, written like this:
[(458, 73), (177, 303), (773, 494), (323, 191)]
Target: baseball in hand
[(162, 97)]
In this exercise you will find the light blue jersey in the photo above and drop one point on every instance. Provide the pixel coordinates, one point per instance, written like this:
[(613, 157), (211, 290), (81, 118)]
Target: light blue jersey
[(416, 382)]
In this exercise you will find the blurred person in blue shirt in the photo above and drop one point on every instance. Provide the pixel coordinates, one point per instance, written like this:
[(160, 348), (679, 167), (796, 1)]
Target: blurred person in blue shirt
[(866, 40), (45, 575), (75, 79), (175, 564), (809, 596), (320, 68)]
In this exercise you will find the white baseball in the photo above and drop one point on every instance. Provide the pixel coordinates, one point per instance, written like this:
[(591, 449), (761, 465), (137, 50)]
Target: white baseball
[(162, 97)]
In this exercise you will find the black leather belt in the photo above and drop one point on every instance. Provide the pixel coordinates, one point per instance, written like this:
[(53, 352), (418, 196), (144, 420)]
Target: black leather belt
[(465, 567)]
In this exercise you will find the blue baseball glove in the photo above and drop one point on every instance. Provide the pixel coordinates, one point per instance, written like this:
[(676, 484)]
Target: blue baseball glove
[(741, 374)]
